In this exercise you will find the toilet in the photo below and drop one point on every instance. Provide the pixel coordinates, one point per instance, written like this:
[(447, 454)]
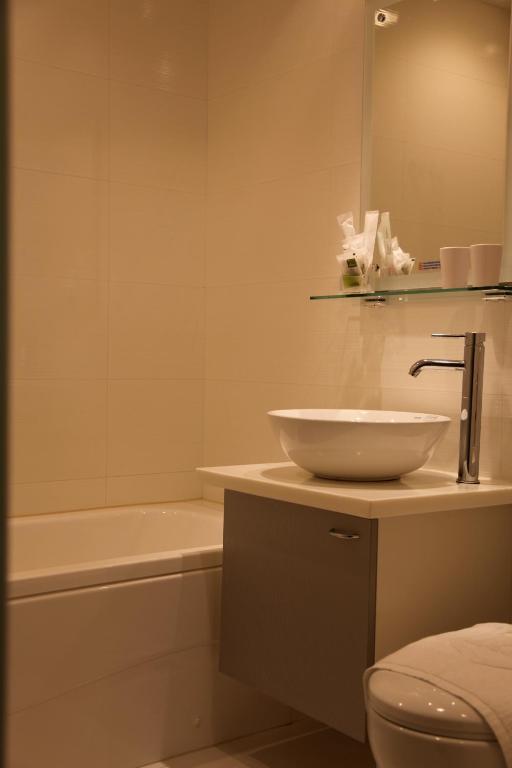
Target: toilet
[(412, 723)]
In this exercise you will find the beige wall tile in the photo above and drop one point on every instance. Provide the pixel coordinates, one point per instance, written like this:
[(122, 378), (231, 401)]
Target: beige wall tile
[(156, 332), (213, 493), (163, 44), (106, 91), (59, 430), (232, 136), (58, 496), (292, 225), (153, 488), (439, 188), (280, 344), (59, 329), (170, 13), (388, 166), (290, 124), (157, 138), (156, 235), (389, 103), (421, 183), (154, 427), (251, 41), (59, 226), (228, 406), (460, 206), (70, 34), (288, 222), (59, 120)]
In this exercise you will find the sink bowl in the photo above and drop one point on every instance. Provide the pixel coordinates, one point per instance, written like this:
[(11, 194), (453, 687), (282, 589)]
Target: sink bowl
[(358, 445)]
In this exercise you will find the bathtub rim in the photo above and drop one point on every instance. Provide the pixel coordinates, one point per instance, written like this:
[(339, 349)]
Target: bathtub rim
[(115, 570), (105, 571)]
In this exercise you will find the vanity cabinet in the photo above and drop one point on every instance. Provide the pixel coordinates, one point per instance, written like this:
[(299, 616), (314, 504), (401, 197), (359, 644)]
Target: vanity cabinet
[(298, 605), (311, 597)]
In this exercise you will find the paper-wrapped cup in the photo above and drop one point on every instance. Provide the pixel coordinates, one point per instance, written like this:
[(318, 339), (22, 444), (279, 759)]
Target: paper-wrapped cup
[(454, 267), (485, 259)]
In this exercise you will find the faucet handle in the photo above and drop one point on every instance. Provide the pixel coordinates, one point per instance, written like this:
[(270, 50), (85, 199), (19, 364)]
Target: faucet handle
[(448, 335), (471, 337)]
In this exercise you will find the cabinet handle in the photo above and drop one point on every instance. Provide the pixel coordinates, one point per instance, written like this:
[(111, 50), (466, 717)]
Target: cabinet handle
[(345, 536)]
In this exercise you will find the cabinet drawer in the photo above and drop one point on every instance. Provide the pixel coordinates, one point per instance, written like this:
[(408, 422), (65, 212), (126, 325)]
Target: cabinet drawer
[(298, 606)]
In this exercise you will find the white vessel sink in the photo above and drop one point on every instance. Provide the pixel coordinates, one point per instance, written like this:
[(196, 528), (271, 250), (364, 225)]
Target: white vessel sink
[(358, 445)]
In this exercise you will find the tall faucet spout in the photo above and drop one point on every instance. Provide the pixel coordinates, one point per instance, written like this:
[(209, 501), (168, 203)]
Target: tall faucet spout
[(419, 365), (471, 402)]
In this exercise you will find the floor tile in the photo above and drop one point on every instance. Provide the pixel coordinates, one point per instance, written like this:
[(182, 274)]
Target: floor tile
[(288, 747)]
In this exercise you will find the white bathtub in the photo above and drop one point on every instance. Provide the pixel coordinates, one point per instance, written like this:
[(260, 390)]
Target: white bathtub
[(50, 553), (113, 639)]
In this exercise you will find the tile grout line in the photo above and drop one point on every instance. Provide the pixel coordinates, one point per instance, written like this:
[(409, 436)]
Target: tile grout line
[(109, 247)]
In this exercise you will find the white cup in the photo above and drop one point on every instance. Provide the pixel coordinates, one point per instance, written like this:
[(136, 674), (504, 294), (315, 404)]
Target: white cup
[(485, 263), (454, 267)]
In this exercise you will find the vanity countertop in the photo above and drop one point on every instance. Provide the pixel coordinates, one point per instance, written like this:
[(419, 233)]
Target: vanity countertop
[(416, 493)]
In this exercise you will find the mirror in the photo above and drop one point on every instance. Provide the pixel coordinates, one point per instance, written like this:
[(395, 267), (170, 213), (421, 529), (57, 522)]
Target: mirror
[(436, 125)]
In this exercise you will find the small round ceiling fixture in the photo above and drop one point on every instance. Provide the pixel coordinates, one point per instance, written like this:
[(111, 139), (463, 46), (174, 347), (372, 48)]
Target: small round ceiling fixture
[(385, 17)]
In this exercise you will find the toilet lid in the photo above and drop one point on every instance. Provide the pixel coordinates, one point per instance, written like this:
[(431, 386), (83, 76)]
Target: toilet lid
[(418, 705)]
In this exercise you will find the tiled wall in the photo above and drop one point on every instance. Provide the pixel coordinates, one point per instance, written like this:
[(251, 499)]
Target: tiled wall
[(111, 120), (284, 158), (285, 105), (439, 123), (109, 147)]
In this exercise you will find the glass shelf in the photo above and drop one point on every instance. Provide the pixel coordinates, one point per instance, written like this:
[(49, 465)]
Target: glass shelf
[(487, 292)]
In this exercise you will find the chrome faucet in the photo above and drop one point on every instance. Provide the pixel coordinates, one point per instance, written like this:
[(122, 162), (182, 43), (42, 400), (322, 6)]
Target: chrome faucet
[(471, 407)]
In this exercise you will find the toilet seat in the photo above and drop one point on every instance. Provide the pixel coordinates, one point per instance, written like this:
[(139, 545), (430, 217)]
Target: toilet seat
[(420, 706)]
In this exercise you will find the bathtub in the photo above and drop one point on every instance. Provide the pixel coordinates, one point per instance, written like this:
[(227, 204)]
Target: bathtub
[(50, 553), (113, 633)]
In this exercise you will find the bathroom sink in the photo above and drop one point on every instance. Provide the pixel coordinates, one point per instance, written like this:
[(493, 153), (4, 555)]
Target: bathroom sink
[(358, 445)]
